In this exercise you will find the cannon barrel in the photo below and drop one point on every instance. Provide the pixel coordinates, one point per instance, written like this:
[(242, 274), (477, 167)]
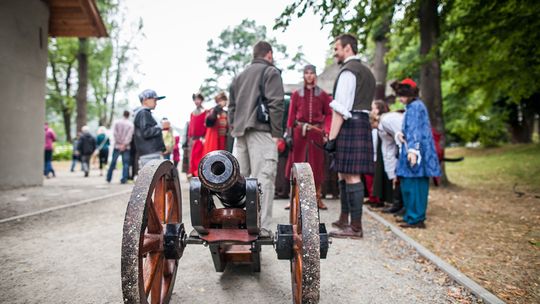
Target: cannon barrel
[(219, 172)]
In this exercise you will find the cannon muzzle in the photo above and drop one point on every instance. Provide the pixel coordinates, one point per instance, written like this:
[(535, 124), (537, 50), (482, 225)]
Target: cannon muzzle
[(219, 172)]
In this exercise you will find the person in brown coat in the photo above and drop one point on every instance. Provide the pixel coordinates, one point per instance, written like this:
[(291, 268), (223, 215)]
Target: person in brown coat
[(255, 141)]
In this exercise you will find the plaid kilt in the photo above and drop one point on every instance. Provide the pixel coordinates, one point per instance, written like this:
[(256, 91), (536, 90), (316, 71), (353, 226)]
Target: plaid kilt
[(354, 146)]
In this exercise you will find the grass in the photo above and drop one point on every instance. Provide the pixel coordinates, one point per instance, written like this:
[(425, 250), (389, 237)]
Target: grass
[(483, 226), (501, 167)]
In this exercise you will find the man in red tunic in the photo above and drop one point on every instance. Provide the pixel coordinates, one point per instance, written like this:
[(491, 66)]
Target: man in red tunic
[(308, 122), (216, 125), (196, 132)]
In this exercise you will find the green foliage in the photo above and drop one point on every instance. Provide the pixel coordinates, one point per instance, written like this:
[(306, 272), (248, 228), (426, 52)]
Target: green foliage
[(494, 47), (474, 119), (232, 51), (60, 97), (491, 60), (109, 61), (489, 55), (112, 61), (403, 56), (62, 151), (364, 19)]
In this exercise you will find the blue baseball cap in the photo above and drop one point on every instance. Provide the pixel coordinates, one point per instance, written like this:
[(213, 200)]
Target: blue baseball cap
[(147, 94)]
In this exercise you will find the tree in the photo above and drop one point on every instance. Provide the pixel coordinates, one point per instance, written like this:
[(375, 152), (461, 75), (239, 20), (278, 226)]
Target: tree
[(60, 94), (492, 50), (82, 90), (100, 65), (113, 60), (360, 19), (369, 21), (232, 51)]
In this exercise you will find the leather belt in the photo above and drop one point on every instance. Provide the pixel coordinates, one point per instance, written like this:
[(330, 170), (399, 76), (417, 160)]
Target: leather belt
[(307, 126)]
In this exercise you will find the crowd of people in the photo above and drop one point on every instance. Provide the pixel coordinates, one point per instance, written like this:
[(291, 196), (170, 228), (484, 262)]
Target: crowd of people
[(385, 156)]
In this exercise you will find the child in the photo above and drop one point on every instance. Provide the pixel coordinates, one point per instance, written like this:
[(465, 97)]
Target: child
[(417, 159)]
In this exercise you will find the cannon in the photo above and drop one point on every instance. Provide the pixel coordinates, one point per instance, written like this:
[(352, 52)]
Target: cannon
[(225, 216)]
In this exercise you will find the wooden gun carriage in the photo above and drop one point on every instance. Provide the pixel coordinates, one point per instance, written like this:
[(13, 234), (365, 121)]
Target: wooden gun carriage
[(154, 236)]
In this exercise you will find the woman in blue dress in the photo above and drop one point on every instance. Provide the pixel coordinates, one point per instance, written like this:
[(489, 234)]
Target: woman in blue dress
[(417, 158)]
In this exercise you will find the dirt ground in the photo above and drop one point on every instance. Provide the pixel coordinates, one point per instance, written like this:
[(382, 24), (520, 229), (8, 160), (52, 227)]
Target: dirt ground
[(73, 256), (489, 230)]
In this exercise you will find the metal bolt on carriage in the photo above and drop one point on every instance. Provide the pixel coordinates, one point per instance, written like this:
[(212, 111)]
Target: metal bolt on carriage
[(154, 236)]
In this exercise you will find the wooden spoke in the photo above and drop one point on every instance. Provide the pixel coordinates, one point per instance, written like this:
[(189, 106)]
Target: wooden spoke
[(147, 277), (171, 206), (297, 277), (152, 243), (159, 198), (169, 267), (155, 293), (151, 266), (154, 223)]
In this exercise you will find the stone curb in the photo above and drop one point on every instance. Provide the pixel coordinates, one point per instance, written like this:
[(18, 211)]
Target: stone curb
[(70, 205), (455, 274)]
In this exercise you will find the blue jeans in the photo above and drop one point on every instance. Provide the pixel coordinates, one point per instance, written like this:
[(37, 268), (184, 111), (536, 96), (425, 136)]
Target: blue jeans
[(125, 165)]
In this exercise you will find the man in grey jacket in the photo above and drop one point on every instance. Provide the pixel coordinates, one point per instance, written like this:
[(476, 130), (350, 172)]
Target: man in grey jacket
[(255, 142)]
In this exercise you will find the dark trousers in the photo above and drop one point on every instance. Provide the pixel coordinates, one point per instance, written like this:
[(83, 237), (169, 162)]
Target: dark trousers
[(103, 157), (125, 164), (48, 163), (85, 161)]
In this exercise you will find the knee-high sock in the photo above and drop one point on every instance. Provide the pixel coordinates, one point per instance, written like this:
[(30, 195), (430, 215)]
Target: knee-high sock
[(343, 197), (355, 197)]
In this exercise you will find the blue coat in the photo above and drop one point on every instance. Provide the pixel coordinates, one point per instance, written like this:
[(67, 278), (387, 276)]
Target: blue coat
[(417, 132)]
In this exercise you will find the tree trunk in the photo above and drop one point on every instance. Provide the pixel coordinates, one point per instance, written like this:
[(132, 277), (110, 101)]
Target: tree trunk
[(522, 117), (430, 76), (380, 68), (66, 116), (117, 79), (82, 90)]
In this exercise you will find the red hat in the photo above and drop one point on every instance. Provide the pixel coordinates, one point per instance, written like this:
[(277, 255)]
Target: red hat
[(407, 87), (410, 82)]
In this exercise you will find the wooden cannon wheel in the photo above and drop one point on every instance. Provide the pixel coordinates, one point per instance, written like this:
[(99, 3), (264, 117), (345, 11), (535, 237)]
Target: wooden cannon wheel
[(304, 217), (154, 207)]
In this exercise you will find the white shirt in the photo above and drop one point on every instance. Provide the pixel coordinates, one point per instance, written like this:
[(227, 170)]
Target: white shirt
[(389, 126), (345, 90)]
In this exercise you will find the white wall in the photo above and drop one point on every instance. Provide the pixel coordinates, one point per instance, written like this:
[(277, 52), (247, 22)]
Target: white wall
[(23, 63)]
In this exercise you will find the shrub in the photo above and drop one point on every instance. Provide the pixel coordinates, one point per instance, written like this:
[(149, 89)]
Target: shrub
[(62, 151)]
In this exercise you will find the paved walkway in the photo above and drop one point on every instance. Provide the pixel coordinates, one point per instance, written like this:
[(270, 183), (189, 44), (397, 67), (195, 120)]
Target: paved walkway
[(72, 255)]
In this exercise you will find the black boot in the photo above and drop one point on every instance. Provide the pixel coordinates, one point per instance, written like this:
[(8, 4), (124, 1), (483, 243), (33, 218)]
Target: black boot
[(355, 196), (400, 212), (395, 207)]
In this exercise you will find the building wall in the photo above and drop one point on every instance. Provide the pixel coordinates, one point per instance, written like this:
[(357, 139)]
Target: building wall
[(23, 63)]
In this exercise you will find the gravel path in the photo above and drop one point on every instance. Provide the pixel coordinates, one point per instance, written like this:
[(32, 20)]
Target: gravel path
[(73, 256)]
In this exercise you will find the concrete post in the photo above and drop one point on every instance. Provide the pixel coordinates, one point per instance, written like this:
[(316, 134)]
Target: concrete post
[(23, 63)]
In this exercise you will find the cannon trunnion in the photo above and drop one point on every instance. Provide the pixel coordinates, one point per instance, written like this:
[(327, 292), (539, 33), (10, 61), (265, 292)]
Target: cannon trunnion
[(225, 215)]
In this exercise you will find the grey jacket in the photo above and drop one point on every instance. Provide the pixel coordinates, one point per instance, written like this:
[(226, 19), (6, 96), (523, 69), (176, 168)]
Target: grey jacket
[(243, 93)]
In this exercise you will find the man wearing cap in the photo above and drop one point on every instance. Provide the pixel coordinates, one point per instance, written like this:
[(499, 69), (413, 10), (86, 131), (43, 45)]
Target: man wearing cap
[(255, 141), (350, 134), (148, 136), (417, 157), (309, 112)]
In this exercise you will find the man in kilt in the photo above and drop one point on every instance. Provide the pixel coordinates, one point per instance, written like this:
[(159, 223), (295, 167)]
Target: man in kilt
[(350, 134)]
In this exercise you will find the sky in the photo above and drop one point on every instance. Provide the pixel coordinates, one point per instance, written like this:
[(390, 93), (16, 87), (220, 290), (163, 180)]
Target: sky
[(172, 56)]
